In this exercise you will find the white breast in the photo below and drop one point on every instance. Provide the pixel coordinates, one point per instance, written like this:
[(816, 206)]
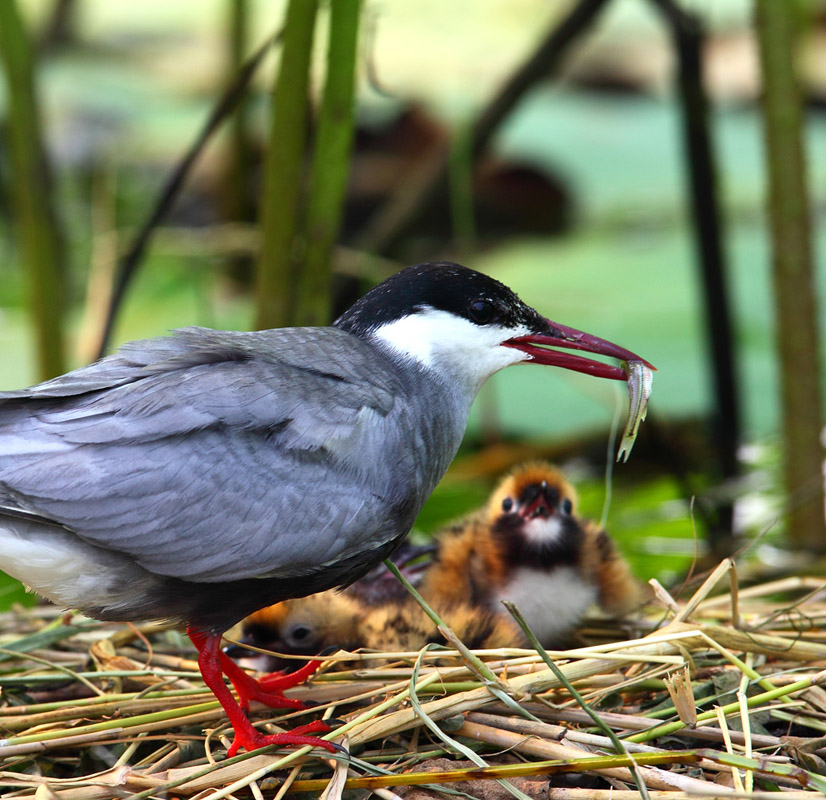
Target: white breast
[(552, 602)]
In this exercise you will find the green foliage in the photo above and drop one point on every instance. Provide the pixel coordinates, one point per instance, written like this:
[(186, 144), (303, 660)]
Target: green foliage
[(38, 235), (448, 502), (284, 170), (300, 224), (330, 167), (12, 591)]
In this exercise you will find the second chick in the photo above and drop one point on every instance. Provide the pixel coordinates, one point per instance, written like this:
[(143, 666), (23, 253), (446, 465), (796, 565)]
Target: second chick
[(310, 625), (528, 546)]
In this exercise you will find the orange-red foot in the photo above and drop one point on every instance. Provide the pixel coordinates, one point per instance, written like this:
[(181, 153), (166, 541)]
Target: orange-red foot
[(250, 739), (278, 681), (268, 689), (214, 664)]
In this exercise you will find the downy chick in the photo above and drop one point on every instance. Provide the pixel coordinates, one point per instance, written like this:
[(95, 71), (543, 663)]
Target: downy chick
[(310, 625), (404, 627), (305, 626), (528, 546)]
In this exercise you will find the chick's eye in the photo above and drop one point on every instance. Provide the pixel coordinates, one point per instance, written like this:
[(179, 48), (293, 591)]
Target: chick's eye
[(507, 504), (567, 506), (481, 311), (300, 633)]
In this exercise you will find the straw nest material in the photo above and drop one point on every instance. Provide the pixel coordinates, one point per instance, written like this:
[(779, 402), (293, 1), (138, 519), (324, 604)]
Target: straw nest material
[(719, 695)]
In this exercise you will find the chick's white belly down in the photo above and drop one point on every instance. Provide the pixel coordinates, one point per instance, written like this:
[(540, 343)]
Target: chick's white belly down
[(551, 603)]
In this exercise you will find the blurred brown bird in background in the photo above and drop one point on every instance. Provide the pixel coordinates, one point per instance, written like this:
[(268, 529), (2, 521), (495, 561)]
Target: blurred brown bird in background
[(528, 546)]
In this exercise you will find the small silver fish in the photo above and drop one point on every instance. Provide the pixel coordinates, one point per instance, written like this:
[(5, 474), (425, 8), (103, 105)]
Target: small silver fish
[(640, 381)]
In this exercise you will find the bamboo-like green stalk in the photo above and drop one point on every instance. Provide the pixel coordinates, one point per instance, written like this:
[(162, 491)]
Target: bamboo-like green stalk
[(795, 295), (107, 707), (72, 674), (331, 165), (180, 713), (275, 278), (83, 705), (37, 228)]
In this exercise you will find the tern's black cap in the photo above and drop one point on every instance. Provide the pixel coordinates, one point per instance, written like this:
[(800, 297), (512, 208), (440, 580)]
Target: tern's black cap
[(444, 286)]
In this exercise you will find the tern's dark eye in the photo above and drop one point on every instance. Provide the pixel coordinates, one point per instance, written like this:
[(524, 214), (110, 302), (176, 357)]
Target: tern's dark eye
[(481, 311), (567, 506), (507, 504)]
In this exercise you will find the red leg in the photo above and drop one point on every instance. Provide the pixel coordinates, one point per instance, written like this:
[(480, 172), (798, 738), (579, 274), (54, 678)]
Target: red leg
[(246, 736), (269, 689)]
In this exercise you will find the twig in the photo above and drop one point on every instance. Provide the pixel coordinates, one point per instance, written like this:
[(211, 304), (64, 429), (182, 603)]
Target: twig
[(589, 764), (128, 265)]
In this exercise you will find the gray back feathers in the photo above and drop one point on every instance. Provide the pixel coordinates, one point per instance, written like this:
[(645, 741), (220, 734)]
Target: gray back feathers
[(215, 456)]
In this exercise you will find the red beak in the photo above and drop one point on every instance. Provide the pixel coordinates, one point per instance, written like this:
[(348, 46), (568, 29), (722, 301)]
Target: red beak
[(563, 336)]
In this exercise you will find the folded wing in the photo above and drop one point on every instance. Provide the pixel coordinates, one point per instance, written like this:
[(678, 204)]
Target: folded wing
[(209, 455)]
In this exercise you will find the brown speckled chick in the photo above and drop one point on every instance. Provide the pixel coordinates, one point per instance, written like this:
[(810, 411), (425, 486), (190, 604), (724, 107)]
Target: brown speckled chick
[(528, 546), (305, 626), (404, 627), (310, 625)]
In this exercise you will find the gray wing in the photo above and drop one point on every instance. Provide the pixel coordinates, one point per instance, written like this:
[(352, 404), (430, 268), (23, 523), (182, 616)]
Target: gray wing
[(208, 455)]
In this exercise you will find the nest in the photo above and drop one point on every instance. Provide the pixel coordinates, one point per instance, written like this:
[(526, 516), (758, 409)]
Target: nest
[(718, 695)]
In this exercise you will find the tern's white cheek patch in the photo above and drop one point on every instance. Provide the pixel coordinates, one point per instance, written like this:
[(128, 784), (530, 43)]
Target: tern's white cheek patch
[(443, 341)]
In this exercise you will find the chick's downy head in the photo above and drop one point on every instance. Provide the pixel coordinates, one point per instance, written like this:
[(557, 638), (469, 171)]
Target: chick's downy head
[(534, 499), (305, 626)]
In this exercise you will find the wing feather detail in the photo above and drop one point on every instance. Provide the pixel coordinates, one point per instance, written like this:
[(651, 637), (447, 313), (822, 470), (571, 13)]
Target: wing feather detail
[(209, 455)]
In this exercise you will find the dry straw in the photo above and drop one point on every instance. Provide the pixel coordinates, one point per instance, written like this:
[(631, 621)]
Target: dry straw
[(694, 703)]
